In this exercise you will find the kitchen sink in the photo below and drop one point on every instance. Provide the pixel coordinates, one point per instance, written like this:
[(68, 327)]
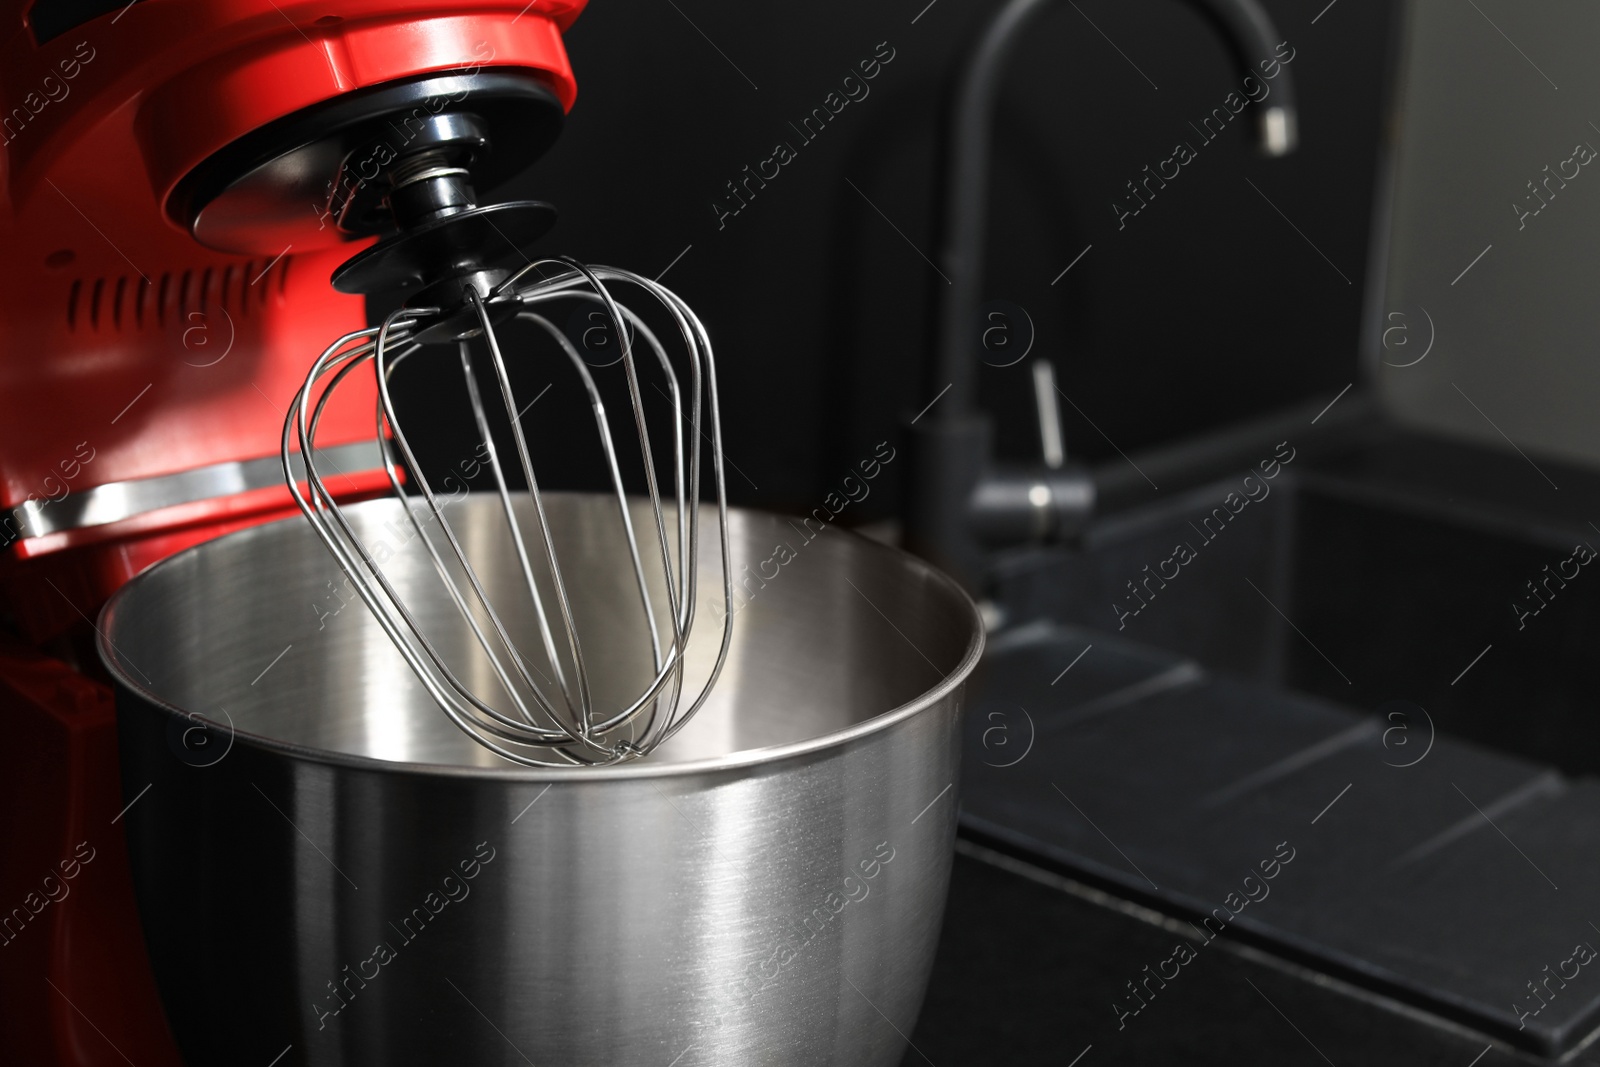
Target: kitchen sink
[(1345, 714)]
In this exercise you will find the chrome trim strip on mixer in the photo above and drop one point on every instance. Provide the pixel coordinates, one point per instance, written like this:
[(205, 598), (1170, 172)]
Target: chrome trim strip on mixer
[(116, 501)]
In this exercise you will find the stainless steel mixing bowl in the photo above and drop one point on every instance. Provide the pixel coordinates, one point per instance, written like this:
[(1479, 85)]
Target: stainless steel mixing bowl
[(329, 872)]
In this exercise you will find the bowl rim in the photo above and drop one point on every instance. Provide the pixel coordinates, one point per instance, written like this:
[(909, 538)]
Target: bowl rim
[(125, 683)]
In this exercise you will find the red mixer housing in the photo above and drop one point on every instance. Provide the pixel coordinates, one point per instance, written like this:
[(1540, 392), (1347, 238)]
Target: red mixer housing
[(144, 377)]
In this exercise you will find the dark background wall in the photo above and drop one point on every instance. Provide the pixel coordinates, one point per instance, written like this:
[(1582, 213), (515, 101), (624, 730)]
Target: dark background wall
[(1207, 307)]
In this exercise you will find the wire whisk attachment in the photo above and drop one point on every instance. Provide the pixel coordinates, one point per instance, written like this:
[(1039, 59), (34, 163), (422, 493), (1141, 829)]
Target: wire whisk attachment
[(519, 667)]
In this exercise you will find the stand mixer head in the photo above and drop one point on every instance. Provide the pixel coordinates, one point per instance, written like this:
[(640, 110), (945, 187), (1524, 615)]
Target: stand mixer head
[(389, 165)]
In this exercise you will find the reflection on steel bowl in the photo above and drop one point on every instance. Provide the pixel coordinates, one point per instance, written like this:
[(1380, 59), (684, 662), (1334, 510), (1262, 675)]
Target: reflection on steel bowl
[(345, 875)]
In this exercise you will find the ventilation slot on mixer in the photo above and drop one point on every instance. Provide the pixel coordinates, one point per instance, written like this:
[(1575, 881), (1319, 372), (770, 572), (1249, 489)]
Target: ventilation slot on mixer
[(131, 302)]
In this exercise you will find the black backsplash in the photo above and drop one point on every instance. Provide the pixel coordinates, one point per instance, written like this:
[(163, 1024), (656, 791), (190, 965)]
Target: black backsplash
[(1236, 290)]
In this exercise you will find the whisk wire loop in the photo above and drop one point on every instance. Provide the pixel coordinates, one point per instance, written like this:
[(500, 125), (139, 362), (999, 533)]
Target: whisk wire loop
[(557, 713)]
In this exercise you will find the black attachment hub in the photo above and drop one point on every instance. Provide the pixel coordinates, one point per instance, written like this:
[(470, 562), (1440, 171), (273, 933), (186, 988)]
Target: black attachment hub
[(445, 242), (319, 177)]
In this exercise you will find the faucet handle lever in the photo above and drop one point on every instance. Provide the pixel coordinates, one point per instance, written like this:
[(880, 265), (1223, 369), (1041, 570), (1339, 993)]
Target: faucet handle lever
[(1051, 441)]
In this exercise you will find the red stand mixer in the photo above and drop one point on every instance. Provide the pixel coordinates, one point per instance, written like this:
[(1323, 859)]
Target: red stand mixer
[(178, 181)]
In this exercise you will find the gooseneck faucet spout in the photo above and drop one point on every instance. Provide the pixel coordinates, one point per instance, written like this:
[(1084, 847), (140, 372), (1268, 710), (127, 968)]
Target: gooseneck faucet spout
[(1251, 37), (953, 489)]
